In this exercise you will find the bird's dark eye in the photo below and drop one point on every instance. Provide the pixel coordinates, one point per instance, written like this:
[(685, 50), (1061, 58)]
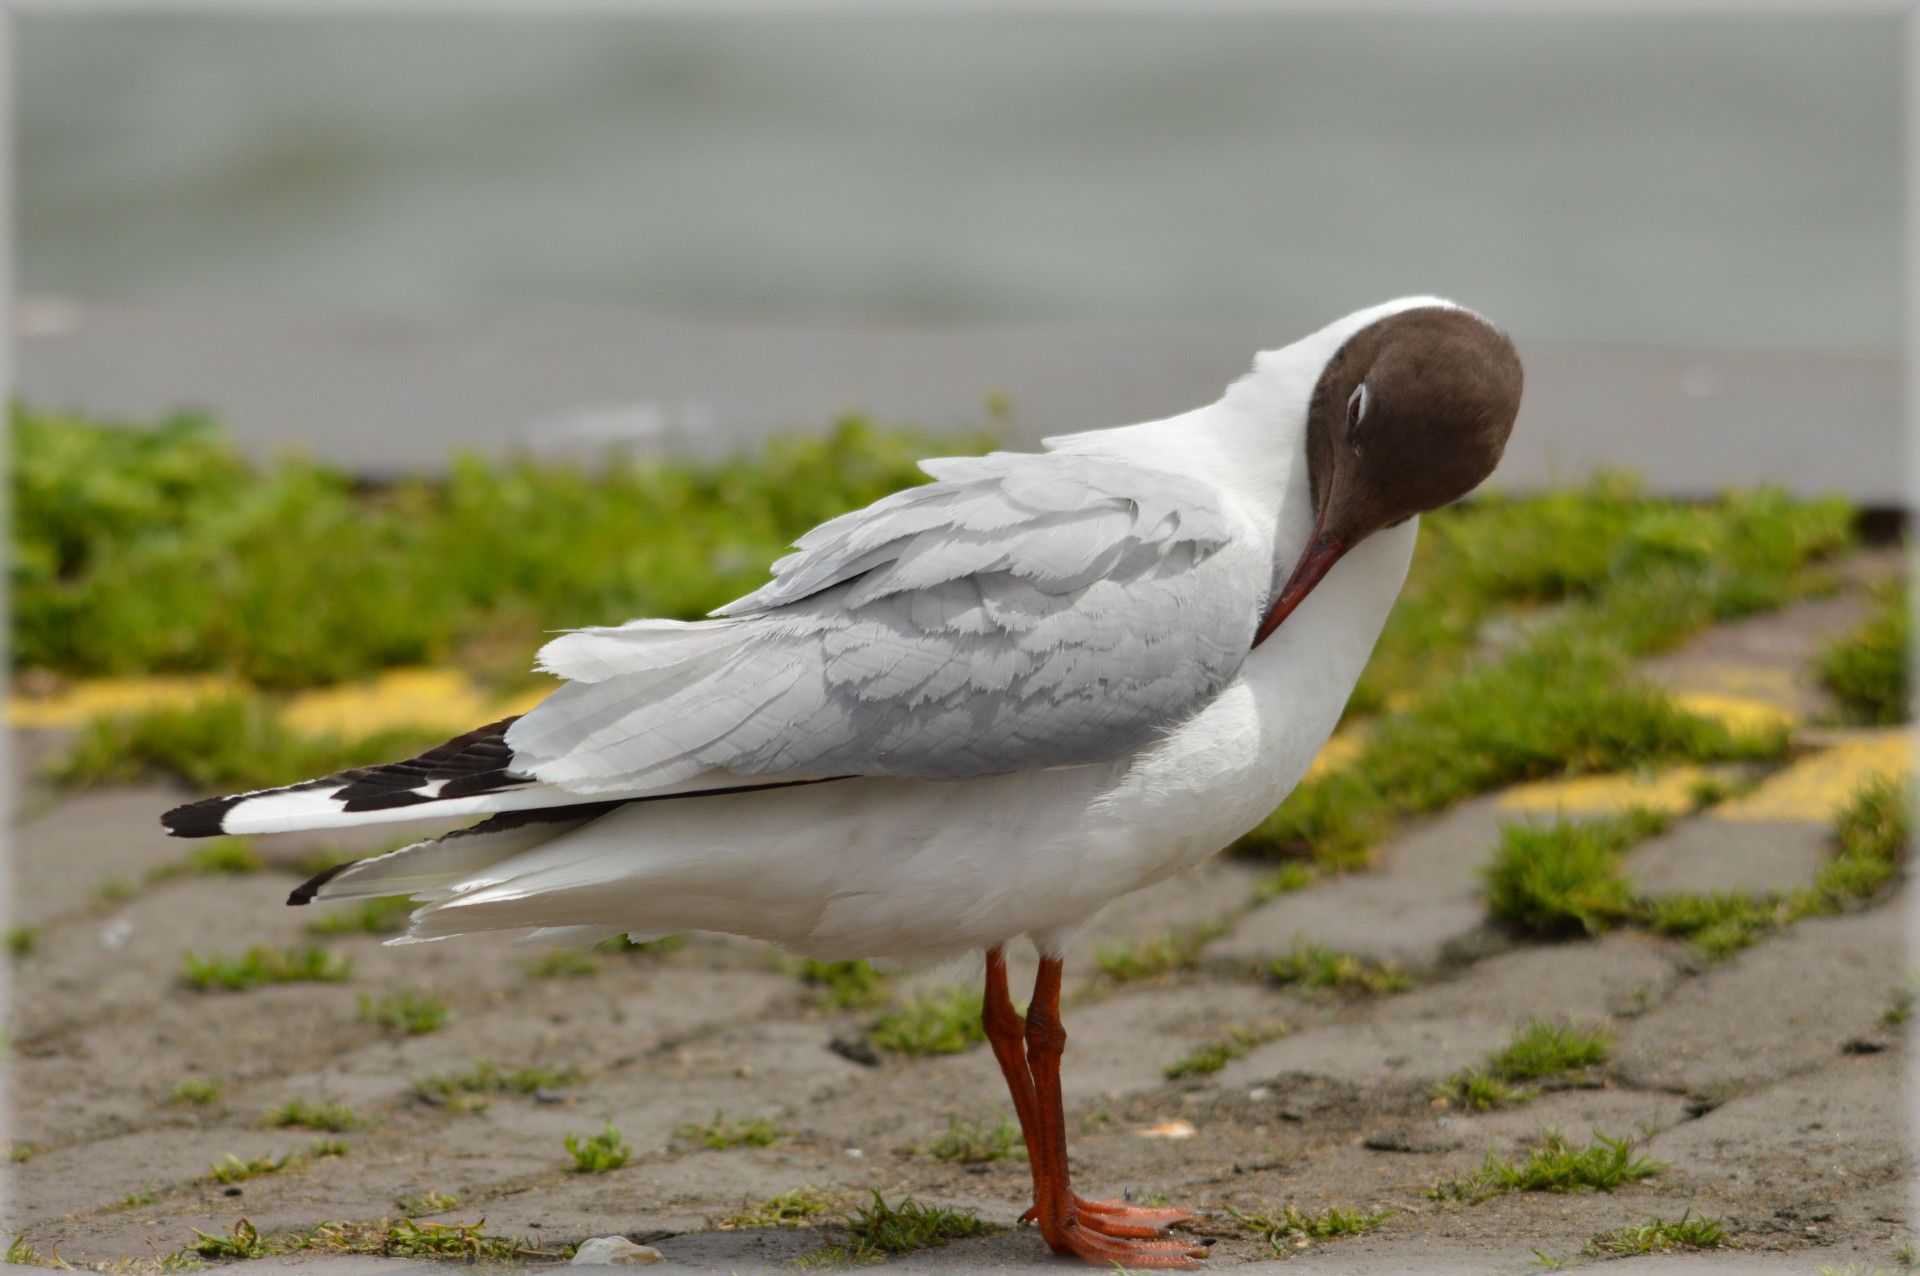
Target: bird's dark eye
[(1356, 413)]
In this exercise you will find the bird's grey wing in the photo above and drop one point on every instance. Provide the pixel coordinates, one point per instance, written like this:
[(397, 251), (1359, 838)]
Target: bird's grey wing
[(1023, 611)]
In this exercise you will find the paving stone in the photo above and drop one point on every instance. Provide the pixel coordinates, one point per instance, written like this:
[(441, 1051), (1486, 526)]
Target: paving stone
[(1847, 1122), (1783, 1007), (1398, 1051), (1701, 856), (1421, 902), (1763, 657), (1623, 973)]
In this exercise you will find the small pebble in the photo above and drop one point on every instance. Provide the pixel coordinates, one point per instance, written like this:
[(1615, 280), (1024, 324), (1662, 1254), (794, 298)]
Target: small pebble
[(855, 1152), (610, 1251), (115, 934), (1175, 1129)]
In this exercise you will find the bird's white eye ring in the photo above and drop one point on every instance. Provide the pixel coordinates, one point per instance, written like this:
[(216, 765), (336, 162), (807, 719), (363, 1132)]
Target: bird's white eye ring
[(1356, 411)]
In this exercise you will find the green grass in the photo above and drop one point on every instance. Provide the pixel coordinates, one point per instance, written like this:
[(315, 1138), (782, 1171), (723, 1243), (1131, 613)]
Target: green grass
[(231, 741), (384, 916), (1507, 657), (880, 1228), (1554, 1166), (1540, 1049), (231, 1169), (721, 1134), (1158, 955), (467, 1089), (1317, 967), (599, 1153), (1554, 880), (221, 857), (1292, 875), (195, 1091), (260, 965), (798, 1208), (1545, 1048), (1871, 835), (623, 944), (1222, 1050), (152, 550), (432, 1202), (945, 1021), (1287, 1230), (1717, 925), (1657, 1236), (561, 963), (22, 940), (979, 1142), (333, 1117), (414, 1011), (843, 985), (1867, 669)]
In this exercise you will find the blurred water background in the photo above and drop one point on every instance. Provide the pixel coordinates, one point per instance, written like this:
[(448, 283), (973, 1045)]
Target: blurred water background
[(1709, 179)]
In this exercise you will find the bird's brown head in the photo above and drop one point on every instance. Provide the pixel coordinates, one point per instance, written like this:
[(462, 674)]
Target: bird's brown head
[(1411, 414)]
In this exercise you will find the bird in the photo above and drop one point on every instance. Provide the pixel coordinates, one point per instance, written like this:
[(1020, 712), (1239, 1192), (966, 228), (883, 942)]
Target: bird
[(976, 710)]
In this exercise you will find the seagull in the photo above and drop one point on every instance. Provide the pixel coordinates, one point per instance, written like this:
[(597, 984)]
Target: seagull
[(976, 710)]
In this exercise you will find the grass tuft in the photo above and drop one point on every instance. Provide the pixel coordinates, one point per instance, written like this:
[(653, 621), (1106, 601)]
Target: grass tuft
[(1867, 670), (945, 1021), (1657, 1236), (1539, 1049), (384, 916), (414, 1011), (1564, 878), (429, 1203), (881, 1228), (1554, 1166), (261, 965), (231, 1169), (333, 1117), (198, 1091), (1160, 955), (979, 1142), (1318, 967), (798, 1208), (721, 1134), (1222, 1050), (599, 1153), (466, 1090), (1291, 1229), (843, 985), (561, 963), (22, 940), (1291, 876)]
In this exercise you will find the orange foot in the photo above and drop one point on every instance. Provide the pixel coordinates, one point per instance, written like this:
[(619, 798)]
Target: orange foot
[(1086, 1236), (1115, 1217)]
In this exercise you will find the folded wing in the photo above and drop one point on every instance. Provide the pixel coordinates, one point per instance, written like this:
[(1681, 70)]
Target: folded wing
[(1024, 611)]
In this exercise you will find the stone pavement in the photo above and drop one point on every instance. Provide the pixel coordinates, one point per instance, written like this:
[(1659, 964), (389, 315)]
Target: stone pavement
[(1773, 1082)]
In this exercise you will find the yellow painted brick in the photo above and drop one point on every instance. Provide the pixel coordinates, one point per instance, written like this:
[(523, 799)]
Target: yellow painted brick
[(1743, 714), (1336, 754), (97, 697), (1814, 788), (445, 699), (1669, 791)]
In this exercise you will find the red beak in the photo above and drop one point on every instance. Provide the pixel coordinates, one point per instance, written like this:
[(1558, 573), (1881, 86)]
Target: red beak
[(1322, 553)]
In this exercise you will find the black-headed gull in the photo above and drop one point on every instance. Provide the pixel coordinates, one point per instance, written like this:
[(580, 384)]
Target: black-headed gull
[(977, 709)]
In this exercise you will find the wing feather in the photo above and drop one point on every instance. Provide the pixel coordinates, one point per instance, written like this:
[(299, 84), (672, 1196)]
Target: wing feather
[(1023, 611)]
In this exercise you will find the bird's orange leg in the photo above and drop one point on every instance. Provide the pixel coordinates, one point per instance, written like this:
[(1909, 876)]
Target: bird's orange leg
[(1007, 1034), (1098, 1231)]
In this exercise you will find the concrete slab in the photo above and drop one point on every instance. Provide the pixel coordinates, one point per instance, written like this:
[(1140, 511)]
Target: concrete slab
[(1774, 1011), (1706, 855)]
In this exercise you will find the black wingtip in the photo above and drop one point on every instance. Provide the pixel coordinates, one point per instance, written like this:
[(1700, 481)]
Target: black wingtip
[(305, 891), (205, 818)]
